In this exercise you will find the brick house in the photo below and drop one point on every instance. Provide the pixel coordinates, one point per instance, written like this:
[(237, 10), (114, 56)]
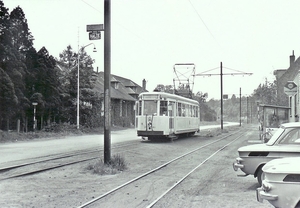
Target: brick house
[(124, 94), (282, 78)]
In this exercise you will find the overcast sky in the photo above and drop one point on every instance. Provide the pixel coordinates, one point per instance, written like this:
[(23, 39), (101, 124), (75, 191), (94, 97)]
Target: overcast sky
[(150, 36)]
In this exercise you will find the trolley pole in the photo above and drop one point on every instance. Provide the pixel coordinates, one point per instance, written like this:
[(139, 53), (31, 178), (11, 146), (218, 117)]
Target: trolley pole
[(107, 66)]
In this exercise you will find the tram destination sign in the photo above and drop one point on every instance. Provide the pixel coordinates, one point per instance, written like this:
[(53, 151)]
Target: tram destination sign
[(290, 88)]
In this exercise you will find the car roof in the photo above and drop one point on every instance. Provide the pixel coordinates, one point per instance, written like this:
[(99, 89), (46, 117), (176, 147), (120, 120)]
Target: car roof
[(291, 124)]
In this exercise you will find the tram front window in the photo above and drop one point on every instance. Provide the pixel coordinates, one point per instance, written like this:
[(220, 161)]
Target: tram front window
[(150, 107)]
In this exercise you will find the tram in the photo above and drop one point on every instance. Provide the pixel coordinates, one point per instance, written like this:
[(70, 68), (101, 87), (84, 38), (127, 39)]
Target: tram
[(162, 115)]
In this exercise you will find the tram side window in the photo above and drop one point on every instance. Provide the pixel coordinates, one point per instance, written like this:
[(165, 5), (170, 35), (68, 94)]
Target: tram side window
[(140, 108), (183, 113), (187, 110), (150, 107), (194, 111), (171, 106), (179, 109), (163, 111)]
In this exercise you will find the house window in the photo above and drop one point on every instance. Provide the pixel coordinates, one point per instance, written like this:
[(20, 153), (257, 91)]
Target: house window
[(115, 85)]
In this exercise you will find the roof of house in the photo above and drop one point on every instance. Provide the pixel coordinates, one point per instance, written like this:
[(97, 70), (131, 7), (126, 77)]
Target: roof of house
[(124, 90)]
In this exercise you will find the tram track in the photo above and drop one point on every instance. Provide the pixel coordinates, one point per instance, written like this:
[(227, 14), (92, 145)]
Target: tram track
[(50, 162), (156, 179)]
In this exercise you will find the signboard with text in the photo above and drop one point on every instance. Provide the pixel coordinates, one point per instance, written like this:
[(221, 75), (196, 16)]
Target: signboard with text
[(96, 35), (97, 27), (290, 88), (95, 31)]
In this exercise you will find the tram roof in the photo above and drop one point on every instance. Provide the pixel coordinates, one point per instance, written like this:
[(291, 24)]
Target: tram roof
[(169, 95)]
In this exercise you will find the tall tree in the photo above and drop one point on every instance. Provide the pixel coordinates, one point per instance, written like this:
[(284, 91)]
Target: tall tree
[(44, 85), (68, 62), (266, 93), (8, 100), (15, 41)]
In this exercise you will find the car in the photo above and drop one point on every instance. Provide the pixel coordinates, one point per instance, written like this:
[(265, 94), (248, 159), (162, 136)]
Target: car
[(281, 183), (285, 142)]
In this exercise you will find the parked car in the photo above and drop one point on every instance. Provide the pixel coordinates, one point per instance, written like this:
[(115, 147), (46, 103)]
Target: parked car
[(285, 142), (281, 183)]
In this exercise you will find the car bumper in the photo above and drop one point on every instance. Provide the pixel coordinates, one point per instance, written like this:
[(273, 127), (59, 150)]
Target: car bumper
[(237, 165), (261, 195)]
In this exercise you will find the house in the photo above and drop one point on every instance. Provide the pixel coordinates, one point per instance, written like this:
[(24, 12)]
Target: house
[(283, 76), (124, 94)]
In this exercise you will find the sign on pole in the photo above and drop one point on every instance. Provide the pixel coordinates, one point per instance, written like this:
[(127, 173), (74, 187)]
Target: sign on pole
[(97, 27), (95, 31), (95, 35), (290, 88)]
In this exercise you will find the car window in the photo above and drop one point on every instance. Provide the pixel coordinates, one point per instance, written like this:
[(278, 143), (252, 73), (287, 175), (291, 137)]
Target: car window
[(275, 136), (292, 137)]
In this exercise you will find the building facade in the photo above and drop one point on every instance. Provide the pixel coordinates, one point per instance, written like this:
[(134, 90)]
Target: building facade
[(283, 77), (124, 94)]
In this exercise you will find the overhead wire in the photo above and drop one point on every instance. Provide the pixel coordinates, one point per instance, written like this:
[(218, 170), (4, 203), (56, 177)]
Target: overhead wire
[(204, 23)]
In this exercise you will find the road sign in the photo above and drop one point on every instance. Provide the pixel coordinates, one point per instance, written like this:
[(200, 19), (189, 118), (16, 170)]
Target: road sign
[(95, 35), (97, 27), (290, 88)]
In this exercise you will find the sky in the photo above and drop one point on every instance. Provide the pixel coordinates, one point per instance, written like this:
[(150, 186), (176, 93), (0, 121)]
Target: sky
[(148, 37)]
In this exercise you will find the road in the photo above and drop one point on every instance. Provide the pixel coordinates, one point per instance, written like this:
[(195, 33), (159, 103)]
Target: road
[(214, 184), (42, 147)]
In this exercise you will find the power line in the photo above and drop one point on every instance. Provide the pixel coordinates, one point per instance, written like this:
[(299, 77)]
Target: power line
[(92, 6), (203, 22)]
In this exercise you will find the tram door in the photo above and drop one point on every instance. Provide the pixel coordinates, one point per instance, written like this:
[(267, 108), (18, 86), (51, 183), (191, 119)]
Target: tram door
[(172, 110)]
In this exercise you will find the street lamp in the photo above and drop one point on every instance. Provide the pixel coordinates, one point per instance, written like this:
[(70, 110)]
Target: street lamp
[(34, 110), (81, 49)]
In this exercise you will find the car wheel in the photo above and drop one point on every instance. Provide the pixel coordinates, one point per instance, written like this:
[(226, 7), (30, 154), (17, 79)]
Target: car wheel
[(260, 176)]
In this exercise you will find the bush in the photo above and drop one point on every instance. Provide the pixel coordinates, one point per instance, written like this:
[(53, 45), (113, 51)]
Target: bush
[(117, 164)]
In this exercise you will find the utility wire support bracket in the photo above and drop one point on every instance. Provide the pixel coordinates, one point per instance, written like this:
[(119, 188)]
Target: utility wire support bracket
[(237, 72)]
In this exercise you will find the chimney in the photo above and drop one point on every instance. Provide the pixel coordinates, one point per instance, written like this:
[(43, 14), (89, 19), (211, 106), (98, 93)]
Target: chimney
[(144, 85), (292, 59)]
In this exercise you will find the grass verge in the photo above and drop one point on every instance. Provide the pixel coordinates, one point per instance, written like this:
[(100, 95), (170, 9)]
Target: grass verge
[(116, 165)]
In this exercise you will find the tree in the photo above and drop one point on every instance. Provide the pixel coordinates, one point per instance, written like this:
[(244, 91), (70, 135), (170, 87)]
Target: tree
[(89, 100), (266, 93), (206, 113), (8, 99), (15, 41), (43, 86)]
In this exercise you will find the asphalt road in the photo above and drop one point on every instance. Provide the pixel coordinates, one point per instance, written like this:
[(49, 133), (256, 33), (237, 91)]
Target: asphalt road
[(42, 147), (215, 184)]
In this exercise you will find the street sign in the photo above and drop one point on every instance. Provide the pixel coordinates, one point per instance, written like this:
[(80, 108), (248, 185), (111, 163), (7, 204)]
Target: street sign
[(95, 35), (225, 97), (290, 88), (97, 27)]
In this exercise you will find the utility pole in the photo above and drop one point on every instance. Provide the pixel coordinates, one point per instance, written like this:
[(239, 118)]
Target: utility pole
[(107, 65), (247, 110), (221, 80), (240, 106)]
